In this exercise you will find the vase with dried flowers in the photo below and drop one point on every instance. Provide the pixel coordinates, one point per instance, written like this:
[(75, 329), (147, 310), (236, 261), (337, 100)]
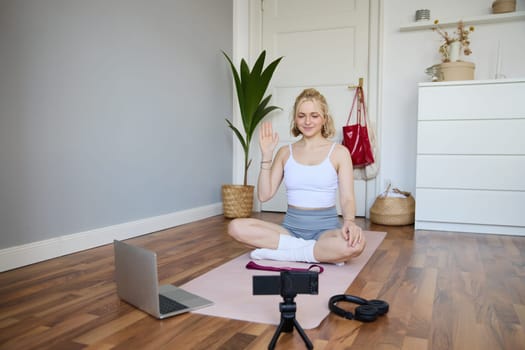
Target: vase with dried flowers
[(452, 45), (451, 67)]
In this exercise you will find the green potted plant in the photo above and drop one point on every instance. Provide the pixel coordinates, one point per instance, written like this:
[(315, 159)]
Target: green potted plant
[(250, 86)]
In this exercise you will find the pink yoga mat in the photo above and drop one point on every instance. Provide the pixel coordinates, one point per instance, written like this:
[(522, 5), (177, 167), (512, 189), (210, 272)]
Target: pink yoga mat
[(229, 286)]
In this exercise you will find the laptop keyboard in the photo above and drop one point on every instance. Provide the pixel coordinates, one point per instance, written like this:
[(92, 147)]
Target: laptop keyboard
[(168, 305)]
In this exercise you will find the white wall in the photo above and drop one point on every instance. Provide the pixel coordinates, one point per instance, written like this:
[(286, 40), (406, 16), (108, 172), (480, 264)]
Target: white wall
[(105, 106), (405, 57)]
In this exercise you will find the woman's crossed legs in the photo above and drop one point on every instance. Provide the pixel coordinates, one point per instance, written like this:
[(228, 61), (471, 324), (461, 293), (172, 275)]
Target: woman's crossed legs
[(277, 243)]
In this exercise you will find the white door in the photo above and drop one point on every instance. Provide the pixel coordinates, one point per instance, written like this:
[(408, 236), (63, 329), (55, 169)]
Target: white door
[(325, 46)]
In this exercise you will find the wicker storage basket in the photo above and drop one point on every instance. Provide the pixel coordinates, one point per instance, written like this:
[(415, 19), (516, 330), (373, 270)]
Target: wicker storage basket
[(503, 6), (393, 211), (237, 201)]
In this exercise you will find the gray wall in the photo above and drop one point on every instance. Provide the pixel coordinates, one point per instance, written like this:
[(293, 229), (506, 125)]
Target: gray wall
[(110, 111)]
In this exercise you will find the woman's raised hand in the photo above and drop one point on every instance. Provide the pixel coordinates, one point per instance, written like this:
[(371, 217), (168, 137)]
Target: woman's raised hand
[(268, 140)]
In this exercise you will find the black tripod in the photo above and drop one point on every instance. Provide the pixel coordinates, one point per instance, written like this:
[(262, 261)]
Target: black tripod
[(288, 321)]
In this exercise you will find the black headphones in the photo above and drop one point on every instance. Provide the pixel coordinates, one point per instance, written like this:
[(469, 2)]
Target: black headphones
[(368, 310)]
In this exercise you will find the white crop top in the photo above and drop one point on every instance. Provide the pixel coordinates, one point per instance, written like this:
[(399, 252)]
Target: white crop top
[(311, 186)]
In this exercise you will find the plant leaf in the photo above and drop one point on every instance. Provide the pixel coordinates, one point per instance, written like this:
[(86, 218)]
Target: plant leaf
[(238, 133), (260, 112), (238, 84)]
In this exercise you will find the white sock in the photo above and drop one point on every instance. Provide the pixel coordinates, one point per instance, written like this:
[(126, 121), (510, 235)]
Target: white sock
[(289, 242), (304, 253)]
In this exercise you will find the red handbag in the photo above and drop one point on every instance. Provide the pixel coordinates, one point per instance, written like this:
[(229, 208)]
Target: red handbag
[(355, 136)]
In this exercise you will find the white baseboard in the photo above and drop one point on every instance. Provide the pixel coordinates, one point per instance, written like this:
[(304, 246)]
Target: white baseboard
[(469, 228), (18, 256)]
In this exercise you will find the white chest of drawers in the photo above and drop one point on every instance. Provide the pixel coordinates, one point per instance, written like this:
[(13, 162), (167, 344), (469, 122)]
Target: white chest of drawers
[(470, 172)]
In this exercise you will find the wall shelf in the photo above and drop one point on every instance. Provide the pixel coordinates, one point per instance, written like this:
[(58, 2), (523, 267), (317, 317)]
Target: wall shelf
[(490, 18)]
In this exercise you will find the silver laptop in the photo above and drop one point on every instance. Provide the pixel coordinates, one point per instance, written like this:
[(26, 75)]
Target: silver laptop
[(137, 283)]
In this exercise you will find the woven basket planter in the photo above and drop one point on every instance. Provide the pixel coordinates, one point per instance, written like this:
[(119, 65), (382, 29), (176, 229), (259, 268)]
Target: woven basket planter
[(237, 201), (393, 211)]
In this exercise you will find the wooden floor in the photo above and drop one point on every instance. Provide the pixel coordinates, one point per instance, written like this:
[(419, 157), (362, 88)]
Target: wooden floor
[(446, 291)]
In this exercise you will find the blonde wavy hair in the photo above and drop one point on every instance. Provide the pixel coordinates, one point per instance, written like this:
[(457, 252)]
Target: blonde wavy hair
[(315, 96)]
